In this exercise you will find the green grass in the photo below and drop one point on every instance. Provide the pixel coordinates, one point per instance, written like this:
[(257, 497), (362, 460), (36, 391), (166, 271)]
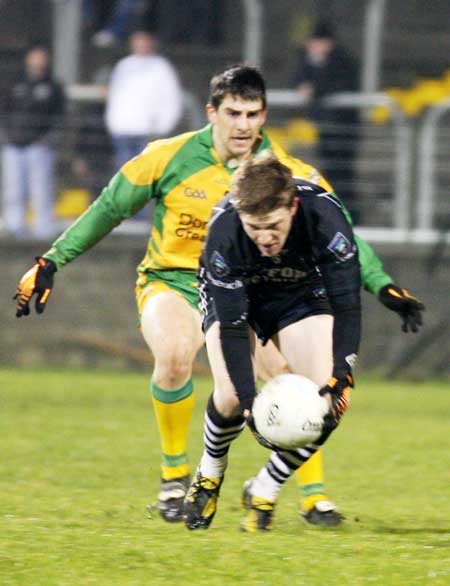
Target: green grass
[(80, 461)]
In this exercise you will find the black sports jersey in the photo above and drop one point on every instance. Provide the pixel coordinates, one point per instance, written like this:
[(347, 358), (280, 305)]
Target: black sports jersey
[(319, 260)]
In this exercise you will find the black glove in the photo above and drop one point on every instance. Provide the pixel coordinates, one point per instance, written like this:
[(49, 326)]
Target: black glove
[(406, 305), (39, 280), (339, 390), (259, 438)]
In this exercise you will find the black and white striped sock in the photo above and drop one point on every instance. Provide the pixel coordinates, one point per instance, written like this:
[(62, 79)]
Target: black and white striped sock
[(219, 432), (281, 465)]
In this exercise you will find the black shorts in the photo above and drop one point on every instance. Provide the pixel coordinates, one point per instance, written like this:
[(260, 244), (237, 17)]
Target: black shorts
[(270, 313)]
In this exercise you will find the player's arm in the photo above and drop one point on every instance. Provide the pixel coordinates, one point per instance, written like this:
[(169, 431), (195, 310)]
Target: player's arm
[(337, 257), (229, 297), (231, 307), (373, 275), (375, 280), (121, 199), (336, 252)]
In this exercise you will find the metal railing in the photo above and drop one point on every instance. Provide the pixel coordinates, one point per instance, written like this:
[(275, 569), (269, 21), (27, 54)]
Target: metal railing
[(403, 154), (404, 227), (402, 203), (373, 46), (375, 11), (252, 32), (426, 177), (97, 93)]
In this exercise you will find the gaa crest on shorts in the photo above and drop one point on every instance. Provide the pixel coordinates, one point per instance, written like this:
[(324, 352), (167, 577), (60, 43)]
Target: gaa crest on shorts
[(218, 264), (341, 247)]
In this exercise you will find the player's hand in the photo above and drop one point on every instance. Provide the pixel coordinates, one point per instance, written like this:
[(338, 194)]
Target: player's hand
[(406, 305), (338, 391), (39, 280), (259, 438)]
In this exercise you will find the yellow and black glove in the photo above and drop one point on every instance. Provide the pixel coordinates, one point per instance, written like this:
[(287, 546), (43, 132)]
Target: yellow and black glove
[(406, 305), (39, 280), (339, 390)]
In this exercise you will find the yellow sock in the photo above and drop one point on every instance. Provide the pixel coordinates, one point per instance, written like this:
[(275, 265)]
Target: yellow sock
[(311, 481), (173, 412)]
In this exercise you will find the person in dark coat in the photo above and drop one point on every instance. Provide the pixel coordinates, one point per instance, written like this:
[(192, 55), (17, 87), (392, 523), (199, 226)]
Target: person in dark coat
[(32, 113), (325, 68)]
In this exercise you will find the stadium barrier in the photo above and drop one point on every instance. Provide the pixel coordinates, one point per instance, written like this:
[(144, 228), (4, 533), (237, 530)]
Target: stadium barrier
[(403, 226), (386, 182), (428, 169)]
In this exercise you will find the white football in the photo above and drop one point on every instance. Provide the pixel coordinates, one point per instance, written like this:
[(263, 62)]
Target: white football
[(288, 411)]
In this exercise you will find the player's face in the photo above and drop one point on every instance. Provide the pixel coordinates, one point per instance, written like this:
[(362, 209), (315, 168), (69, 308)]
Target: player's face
[(236, 125), (270, 231)]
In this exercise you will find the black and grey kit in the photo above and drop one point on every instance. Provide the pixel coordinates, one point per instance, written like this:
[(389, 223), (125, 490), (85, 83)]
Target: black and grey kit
[(317, 272)]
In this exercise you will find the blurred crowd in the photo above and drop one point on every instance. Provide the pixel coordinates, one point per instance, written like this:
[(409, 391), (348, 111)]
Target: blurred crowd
[(47, 140), (144, 101)]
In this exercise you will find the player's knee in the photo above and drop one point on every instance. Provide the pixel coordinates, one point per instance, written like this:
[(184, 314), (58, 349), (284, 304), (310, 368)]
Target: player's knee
[(226, 401), (172, 372)]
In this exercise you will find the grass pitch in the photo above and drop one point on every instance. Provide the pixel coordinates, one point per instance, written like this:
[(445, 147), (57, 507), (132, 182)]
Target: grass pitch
[(80, 462)]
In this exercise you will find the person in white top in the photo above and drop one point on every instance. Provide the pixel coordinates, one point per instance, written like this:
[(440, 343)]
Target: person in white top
[(145, 98)]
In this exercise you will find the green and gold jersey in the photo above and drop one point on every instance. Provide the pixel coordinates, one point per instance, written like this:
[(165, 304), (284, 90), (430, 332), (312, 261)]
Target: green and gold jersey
[(186, 178)]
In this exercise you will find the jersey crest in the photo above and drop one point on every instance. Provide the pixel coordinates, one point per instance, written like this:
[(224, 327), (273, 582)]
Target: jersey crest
[(341, 247), (218, 265)]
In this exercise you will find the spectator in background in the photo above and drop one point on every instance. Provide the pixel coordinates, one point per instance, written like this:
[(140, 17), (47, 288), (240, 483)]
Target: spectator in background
[(123, 14), (32, 113), (325, 68), (145, 98)]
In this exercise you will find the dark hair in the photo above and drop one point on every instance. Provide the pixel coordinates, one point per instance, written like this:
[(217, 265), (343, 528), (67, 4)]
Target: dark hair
[(262, 184), (323, 29), (239, 80)]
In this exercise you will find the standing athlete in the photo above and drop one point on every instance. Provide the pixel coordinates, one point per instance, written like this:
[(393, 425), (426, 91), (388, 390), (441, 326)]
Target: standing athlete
[(280, 262), (186, 176)]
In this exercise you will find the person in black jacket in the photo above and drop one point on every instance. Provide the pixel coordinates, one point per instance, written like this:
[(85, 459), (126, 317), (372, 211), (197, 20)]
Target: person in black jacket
[(279, 262), (325, 67), (32, 111)]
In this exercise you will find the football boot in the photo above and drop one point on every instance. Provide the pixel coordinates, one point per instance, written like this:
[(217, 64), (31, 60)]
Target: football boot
[(171, 497), (200, 503), (322, 513), (259, 511)]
